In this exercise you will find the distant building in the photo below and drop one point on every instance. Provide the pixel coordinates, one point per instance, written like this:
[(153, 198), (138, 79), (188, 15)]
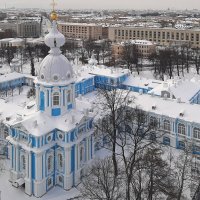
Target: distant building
[(28, 29), (162, 36), (81, 31), (144, 48), (22, 28), (8, 25)]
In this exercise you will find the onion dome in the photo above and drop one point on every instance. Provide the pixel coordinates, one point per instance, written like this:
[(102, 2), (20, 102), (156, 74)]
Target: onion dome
[(55, 68)]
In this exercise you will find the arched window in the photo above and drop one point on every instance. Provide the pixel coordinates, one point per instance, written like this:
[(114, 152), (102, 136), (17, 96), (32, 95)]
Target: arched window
[(166, 140), (167, 125), (69, 96), (50, 163), (60, 160), (196, 133), (82, 154), (181, 145), (56, 99), (181, 129), (153, 122)]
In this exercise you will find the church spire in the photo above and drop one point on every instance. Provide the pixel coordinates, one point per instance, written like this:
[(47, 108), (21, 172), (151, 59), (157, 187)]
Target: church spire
[(54, 39), (54, 15)]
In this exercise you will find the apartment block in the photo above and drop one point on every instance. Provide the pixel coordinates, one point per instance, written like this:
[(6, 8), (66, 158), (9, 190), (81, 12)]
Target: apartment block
[(161, 36), (22, 28), (144, 48), (81, 31), (28, 29)]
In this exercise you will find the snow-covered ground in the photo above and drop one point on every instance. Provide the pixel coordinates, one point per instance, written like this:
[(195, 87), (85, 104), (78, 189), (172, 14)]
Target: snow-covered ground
[(8, 192)]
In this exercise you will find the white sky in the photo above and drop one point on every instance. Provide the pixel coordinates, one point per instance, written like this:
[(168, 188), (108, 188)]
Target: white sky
[(105, 4)]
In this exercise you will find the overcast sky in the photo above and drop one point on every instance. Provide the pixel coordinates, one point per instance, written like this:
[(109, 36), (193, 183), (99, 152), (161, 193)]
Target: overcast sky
[(105, 4)]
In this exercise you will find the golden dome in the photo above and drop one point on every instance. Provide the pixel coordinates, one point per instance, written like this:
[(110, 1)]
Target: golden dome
[(54, 16)]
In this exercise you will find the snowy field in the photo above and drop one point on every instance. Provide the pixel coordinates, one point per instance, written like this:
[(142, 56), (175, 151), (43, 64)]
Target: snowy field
[(8, 192)]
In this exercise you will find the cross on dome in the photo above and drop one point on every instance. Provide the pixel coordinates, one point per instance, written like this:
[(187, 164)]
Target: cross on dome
[(54, 15), (55, 68), (53, 5)]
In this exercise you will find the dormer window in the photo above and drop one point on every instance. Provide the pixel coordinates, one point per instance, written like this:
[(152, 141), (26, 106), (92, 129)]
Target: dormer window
[(56, 99)]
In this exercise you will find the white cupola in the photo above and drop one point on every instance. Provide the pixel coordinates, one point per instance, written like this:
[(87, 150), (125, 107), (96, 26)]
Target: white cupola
[(55, 88), (55, 68)]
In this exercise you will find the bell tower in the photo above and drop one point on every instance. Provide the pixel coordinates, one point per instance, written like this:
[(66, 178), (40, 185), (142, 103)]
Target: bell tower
[(55, 90)]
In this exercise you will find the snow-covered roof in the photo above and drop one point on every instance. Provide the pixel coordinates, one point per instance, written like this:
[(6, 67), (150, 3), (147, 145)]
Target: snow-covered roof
[(11, 76), (181, 89), (141, 82), (39, 123), (78, 24), (82, 73), (108, 72), (100, 70), (185, 90), (169, 107)]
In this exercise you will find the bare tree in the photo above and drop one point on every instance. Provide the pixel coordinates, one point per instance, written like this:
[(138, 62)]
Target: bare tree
[(182, 171), (100, 184), (111, 104), (158, 175)]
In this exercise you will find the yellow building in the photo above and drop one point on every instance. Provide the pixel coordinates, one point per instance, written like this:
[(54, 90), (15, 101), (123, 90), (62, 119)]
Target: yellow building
[(81, 31), (162, 36), (144, 48)]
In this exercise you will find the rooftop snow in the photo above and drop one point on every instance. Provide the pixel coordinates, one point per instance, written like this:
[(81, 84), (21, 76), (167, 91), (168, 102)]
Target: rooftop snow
[(11, 76), (169, 107), (40, 123), (141, 82)]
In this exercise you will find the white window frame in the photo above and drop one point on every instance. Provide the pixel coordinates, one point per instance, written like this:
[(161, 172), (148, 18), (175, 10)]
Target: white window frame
[(56, 99), (50, 163), (23, 163), (196, 131), (82, 154), (167, 125), (60, 160), (181, 129)]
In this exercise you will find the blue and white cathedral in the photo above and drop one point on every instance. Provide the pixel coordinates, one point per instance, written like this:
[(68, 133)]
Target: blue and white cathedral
[(51, 145)]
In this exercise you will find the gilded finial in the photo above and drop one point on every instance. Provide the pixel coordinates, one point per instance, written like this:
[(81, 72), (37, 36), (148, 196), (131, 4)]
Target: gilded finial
[(54, 15)]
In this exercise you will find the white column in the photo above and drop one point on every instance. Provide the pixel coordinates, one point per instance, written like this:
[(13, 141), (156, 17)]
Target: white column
[(14, 157), (44, 169), (38, 166), (17, 158), (88, 148), (92, 146), (78, 156), (29, 165), (37, 97), (67, 161)]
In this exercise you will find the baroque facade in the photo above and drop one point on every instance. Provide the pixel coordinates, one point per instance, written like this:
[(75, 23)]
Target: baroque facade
[(51, 146)]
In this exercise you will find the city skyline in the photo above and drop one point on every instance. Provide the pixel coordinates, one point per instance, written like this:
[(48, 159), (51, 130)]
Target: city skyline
[(104, 4)]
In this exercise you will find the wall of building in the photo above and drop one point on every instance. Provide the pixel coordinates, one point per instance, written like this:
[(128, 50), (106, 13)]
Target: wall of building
[(162, 36), (81, 31)]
